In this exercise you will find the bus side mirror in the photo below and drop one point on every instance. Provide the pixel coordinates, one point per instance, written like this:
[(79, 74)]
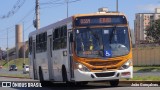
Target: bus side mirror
[(71, 37)]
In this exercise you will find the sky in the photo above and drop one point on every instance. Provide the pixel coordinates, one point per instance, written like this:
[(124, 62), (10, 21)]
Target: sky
[(55, 10)]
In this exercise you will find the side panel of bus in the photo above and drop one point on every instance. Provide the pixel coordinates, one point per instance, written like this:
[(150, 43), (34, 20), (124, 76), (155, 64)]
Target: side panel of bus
[(49, 53), (61, 58), (59, 54), (49, 62), (33, 62)]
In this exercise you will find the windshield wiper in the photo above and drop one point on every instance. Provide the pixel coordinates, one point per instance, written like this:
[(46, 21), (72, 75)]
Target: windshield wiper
[(112, 34)]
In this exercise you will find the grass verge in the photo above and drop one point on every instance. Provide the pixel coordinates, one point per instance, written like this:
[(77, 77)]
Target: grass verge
[(146, 78), (15, 75), (147, 69), (18, 62)]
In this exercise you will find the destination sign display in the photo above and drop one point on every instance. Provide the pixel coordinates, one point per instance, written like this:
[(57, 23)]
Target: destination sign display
[(100, 20)]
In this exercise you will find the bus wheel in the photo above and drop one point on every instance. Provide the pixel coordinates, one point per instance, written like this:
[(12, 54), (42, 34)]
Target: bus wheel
[(41, 75), (114, 83), (64, 74)]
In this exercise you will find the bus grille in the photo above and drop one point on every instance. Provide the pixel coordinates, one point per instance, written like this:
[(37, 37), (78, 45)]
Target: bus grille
[(109, 74), (107, 63), (109, 68)]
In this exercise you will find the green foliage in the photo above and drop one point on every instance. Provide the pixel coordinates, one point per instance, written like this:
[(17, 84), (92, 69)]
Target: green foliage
[(153, 31), (15, 75), (143, 69), (146, 78), (18, 62)]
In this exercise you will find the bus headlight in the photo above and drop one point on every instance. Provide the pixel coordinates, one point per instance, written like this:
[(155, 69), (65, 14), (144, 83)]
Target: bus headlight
[(126, 65), (82, 67)]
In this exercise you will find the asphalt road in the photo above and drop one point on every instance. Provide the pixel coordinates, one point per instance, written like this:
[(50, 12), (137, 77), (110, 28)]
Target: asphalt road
[(62, 86), (6, 71), (91, 86)]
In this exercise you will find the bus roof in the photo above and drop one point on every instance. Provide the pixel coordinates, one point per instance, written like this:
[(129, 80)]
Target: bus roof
[(99, 13), (69, 19), (51, 26)]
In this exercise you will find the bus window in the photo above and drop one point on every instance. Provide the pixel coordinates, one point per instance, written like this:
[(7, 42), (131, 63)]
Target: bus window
[(64, 37), (56, 33), (37, 43), (60, 38), (30, 45), (65, 30), (41, 42)]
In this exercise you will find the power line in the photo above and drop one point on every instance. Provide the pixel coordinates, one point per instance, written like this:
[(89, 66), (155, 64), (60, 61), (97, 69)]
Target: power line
[(12, 29), (21, 20), (51, 2), (18, 5), (54, 3), (15, 8), (13, 37), (30, 12), (51, 5)]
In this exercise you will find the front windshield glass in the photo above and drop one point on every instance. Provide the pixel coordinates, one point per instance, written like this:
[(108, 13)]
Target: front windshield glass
[(102, 42)]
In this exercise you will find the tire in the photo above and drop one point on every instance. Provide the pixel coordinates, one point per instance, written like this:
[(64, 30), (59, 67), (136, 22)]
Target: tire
[(41, 75), (114, 83), (42, 81), (64, 74)]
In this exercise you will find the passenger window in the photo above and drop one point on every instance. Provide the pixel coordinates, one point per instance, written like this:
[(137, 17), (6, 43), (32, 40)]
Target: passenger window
[(56, 33), (30, 45), (41, 42), (60, 38)]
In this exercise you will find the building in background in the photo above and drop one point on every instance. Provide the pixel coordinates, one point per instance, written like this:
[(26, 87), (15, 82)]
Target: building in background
[(21, 48), (133, 36), (18, 40), (141, 22)]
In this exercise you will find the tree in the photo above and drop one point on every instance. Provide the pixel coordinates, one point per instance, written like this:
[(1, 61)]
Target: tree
[(153, 31)]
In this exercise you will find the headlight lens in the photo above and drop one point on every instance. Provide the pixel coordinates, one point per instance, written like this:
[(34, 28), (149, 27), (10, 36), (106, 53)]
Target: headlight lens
[(126, 65), (82, 67)]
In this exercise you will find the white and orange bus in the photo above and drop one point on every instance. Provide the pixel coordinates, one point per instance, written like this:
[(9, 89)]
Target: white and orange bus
[(82, 48)]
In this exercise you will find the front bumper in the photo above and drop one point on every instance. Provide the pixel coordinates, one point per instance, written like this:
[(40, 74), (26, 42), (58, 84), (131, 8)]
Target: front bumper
[(105, 75)]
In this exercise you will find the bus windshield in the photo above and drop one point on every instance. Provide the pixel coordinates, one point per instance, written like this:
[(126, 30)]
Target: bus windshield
[(102, 42)]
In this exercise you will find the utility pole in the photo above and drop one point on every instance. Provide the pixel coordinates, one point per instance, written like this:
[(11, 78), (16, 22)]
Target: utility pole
[(67, 7), (37, 21), (117, 5), (0, 53), (7, 50), (24, 46)]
